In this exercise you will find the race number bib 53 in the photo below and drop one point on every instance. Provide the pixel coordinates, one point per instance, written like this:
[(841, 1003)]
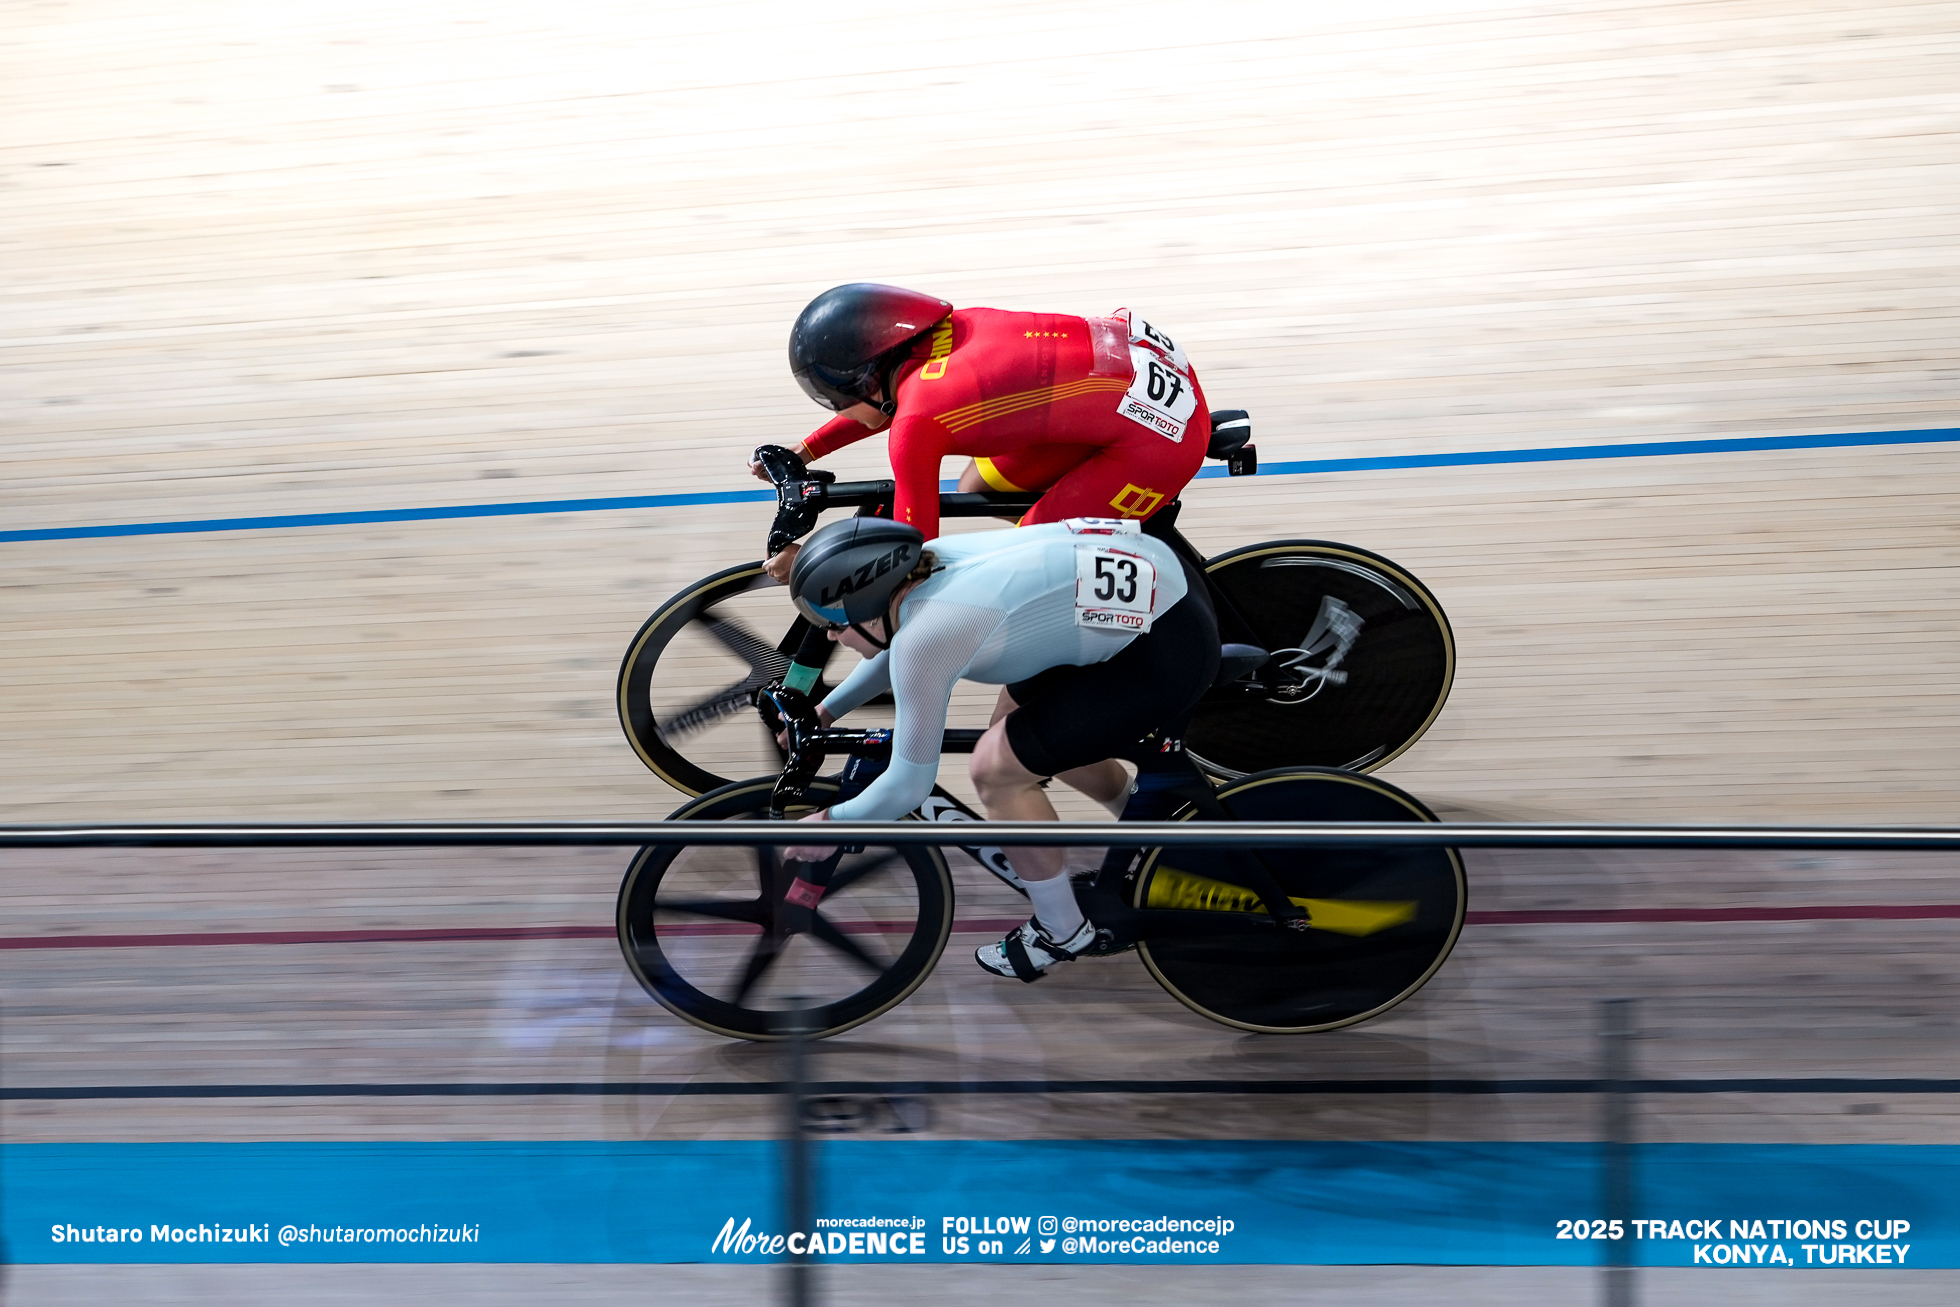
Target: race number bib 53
[(1114, 589)]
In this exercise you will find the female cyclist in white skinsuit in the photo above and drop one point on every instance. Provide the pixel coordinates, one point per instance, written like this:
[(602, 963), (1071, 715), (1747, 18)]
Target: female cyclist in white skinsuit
[(1101, 635)]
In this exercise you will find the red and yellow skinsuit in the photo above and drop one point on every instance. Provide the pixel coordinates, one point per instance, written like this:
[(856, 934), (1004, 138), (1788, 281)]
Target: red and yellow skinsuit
[(1036, 399)]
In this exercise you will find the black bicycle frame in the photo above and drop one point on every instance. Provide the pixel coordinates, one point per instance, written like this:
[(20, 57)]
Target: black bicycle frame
[(810, 744)]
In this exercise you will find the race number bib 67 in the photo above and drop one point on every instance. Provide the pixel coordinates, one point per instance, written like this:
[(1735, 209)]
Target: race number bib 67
[(1114, 589), (1161, 397)]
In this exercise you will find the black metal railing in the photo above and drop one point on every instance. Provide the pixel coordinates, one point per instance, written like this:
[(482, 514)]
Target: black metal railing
[(1247, 834)]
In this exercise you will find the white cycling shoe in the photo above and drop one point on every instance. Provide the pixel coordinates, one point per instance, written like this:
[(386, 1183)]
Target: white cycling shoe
[(1029, 950)]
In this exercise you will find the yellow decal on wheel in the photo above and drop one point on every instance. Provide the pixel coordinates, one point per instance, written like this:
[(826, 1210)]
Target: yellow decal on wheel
[(1171, 888)]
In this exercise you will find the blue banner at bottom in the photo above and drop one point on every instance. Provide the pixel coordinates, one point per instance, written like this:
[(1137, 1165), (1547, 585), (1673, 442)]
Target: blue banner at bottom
[(1102, 1201)]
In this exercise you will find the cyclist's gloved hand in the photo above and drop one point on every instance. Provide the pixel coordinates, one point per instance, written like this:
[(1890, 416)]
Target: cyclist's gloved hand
[(811, 852), (761, 473), (778, 565), (771, 719), (774, 721)]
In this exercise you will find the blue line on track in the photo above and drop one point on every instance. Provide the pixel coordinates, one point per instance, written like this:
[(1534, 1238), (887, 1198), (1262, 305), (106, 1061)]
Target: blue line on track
[(524, 508), (1580, 453), (1305, 466)]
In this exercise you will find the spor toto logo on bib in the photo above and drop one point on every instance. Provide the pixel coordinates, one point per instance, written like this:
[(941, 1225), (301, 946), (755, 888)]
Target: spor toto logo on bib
[(1115, 590)]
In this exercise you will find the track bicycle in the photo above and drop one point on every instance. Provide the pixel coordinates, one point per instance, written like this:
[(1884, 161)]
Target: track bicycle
[(1285, 940), (1335, 661), (1338, 657)]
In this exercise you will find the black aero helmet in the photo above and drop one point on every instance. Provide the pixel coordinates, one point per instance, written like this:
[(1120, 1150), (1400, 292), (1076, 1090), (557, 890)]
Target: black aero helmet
[(843, 338), (847, 571)]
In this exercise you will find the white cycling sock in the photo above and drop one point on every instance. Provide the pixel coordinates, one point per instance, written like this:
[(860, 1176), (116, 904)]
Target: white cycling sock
[(1055, 906)]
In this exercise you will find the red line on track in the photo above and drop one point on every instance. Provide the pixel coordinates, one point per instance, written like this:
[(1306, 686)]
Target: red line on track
[(212, 939), (978, 925), (207, 939), (1824, 912)]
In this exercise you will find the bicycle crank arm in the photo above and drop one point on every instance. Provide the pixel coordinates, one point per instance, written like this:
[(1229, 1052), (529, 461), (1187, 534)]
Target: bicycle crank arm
[(1121, 926), (806, 883)]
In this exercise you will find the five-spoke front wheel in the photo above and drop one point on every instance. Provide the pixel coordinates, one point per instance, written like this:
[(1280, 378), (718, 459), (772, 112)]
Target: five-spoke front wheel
[(704, 929)]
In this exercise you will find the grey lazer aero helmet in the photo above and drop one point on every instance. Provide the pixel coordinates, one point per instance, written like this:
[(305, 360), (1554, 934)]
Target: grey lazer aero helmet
[(846, 573), (844, 339)]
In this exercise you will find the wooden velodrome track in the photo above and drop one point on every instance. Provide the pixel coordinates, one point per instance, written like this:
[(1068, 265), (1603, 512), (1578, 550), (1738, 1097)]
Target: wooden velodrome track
[(333, 259)]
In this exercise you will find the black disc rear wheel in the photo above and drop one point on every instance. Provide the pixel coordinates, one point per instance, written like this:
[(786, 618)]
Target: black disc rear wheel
[(1383, 919), (704, 931), (1362, 660)]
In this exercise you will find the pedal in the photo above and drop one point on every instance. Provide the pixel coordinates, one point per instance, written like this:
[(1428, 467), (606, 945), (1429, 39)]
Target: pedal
[(1106, 945)]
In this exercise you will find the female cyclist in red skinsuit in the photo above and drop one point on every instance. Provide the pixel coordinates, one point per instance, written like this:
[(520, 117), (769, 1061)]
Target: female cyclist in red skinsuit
[(1104, 414)]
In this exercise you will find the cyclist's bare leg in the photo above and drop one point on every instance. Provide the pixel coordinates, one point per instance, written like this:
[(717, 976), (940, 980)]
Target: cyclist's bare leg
[(1011, 792), (972, 483), (1106, 782)]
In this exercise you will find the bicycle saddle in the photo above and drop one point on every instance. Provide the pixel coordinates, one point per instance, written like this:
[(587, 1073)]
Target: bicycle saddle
[(1231, 429), (1236, 660)]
